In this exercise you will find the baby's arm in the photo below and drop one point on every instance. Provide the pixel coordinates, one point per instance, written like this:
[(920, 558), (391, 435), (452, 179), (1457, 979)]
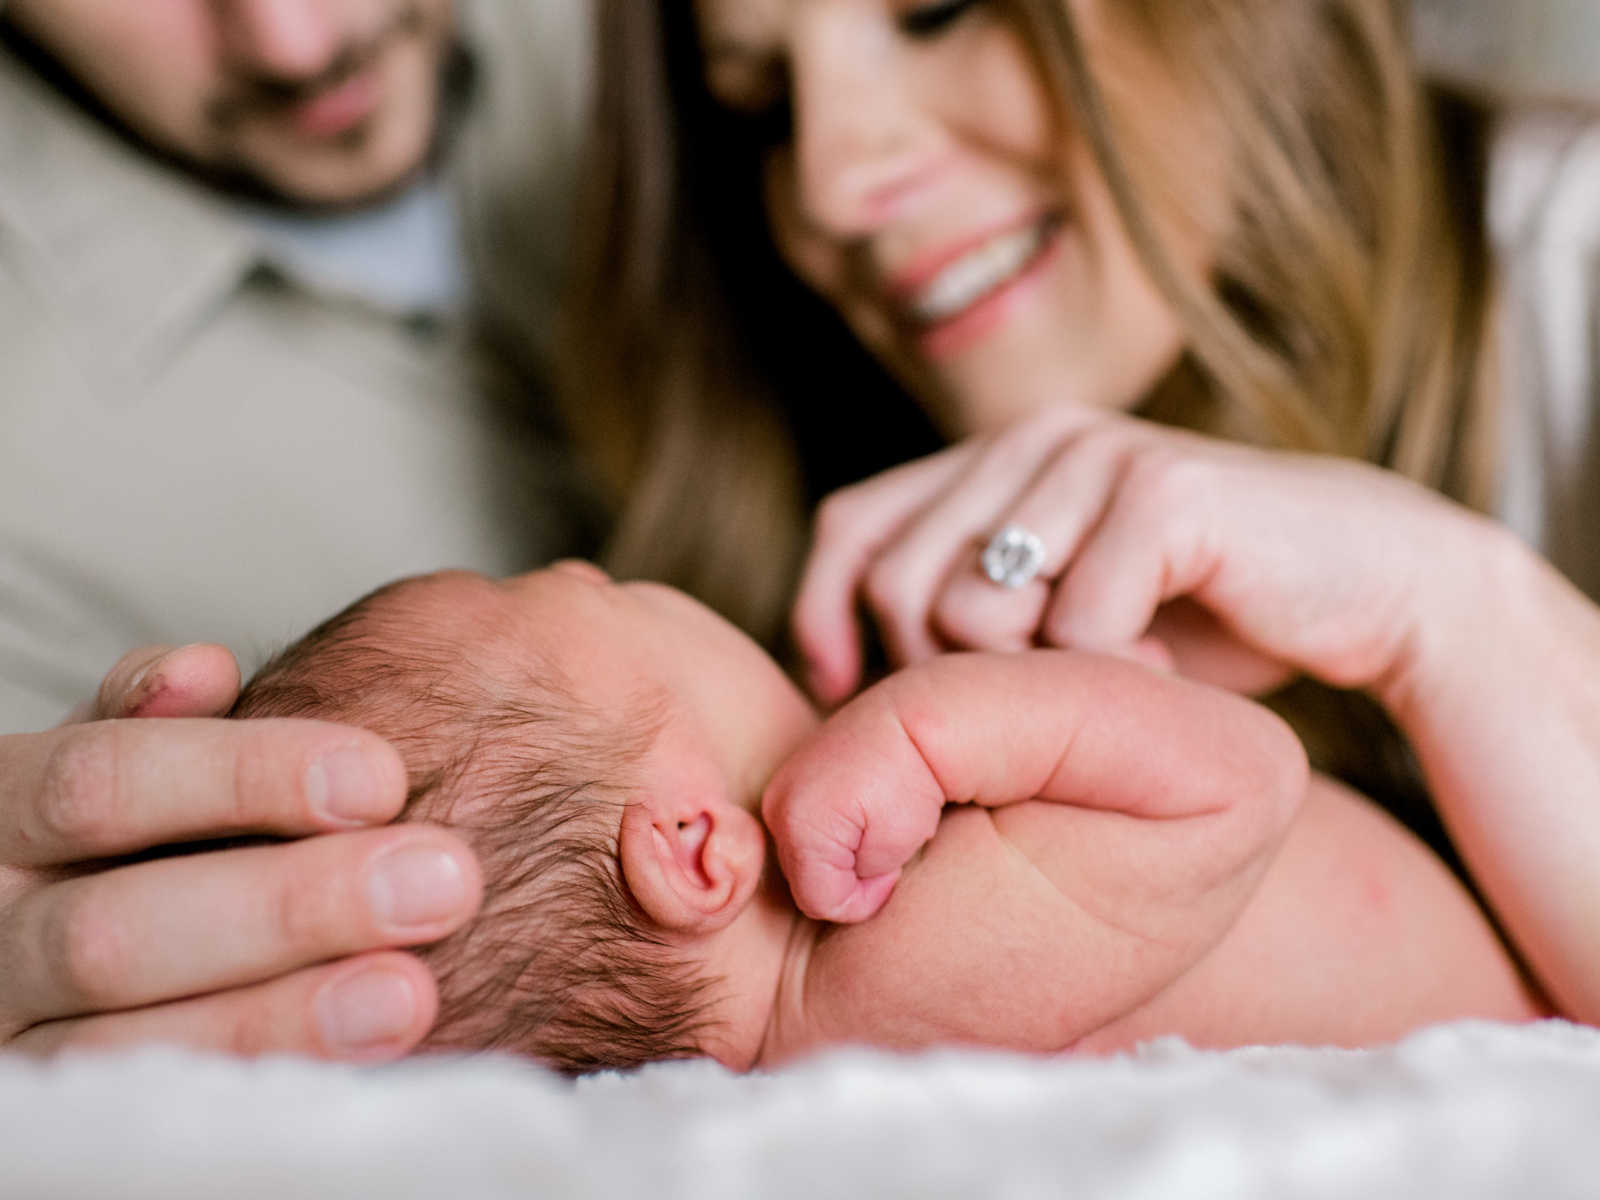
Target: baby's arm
[(1210, 781)]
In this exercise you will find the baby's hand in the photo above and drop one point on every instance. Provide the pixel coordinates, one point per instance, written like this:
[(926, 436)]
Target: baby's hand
[(850, 808), (853, 805)]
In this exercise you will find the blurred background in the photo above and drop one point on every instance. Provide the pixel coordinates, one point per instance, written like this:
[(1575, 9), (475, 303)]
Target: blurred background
[(1544, 48)]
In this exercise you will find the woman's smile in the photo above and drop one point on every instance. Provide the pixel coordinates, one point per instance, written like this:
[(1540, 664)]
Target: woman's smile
[(967, 298), (928, 188)]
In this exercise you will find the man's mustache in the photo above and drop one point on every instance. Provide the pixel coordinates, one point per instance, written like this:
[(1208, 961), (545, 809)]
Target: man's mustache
[(269, 96)]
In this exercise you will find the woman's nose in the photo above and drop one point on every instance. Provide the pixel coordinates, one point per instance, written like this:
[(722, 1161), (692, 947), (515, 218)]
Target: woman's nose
[(862, 141), (287, 39)]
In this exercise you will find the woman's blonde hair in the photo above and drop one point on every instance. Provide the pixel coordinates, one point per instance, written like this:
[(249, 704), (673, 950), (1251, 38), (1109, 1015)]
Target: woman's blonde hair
[(1345, 311)]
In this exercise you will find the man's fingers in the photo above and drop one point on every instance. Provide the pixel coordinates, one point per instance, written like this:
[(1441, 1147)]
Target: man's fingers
[(207, 922), (116, 787), (160, 681), (366, 1009)]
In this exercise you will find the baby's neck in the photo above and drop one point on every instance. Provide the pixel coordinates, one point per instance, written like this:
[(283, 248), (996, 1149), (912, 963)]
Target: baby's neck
[(761, 962), (787, 1030)]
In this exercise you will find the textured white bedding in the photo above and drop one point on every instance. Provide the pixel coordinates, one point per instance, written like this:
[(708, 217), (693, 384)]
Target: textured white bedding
[(1463, 1111)]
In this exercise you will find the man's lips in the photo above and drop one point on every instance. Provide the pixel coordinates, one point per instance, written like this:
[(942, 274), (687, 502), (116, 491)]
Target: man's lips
[(347, 93), (339, 109)]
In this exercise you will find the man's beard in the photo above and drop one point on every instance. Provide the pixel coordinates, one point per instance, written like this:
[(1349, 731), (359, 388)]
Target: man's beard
[(264, 97), (229, 170)]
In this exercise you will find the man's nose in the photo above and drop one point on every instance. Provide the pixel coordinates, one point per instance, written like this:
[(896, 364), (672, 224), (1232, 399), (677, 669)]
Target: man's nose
[(864, 143), (287, 39)]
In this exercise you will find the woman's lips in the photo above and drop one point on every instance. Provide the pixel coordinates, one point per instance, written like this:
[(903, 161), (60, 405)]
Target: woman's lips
[(968, 298)]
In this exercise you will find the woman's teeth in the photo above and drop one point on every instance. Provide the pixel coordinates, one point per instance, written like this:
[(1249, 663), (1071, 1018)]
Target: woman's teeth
[(971, 277)]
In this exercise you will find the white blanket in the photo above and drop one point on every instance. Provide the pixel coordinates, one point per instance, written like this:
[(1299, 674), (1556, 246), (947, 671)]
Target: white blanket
[(1463, 1111)]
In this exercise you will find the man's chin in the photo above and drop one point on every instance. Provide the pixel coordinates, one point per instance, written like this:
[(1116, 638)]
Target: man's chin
[(354, 173)]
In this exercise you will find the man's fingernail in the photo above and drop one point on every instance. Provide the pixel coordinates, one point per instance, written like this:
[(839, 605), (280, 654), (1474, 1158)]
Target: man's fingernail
[(144, 685), (417, 885), (365, 1010), (343, 786), (136, 680)]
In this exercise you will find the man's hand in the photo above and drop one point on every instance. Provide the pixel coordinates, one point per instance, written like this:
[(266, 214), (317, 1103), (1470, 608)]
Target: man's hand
[(265, 949)]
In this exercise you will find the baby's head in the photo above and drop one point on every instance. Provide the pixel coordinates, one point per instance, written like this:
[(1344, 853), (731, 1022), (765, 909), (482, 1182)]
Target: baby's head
[(602, 748)]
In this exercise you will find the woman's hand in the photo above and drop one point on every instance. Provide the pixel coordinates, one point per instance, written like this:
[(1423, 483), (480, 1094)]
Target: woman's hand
[(1486, 658), (1279, 563), (229, 950)]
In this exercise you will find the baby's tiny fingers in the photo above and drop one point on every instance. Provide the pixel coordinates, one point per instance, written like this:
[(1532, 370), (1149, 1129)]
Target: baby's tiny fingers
[(892, 836), (826, 893), (820, 870), (866, 898)]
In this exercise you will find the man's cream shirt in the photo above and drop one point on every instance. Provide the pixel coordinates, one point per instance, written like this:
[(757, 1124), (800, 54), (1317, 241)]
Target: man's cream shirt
[(195, 447)]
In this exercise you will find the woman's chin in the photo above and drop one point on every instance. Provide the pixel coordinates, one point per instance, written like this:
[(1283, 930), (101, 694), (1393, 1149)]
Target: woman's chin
[(987, 400)]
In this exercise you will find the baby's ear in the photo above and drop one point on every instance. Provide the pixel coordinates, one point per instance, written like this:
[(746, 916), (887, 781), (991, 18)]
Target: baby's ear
[(692, 862)]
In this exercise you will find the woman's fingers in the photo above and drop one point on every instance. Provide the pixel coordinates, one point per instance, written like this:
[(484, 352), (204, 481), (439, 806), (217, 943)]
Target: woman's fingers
[(852, 527), (1061, 504), (116, 787), (1303, 564), (211, 921), (1198, 646), (904, 583), (1123, 509), (1150, 546), (1299, 563), (906, 544), (365, 1009)]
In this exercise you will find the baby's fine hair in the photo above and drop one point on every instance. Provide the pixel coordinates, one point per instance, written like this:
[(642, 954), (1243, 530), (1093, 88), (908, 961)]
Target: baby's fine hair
[(560, 963)]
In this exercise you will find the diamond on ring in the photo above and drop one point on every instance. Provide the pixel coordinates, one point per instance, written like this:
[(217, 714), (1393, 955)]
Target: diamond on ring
[(1013, 557)]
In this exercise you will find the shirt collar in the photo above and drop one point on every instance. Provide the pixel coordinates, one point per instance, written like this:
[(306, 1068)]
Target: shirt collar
[(131, 250)]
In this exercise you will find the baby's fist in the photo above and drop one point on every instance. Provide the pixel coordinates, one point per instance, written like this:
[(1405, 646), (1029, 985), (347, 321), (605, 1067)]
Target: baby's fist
[(849, 809)]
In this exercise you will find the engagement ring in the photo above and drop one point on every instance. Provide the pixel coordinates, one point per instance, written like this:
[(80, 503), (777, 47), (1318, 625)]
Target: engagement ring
[(1013, 557)]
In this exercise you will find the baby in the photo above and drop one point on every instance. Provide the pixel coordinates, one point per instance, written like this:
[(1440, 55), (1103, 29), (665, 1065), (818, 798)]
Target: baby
[(1080, 853)]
